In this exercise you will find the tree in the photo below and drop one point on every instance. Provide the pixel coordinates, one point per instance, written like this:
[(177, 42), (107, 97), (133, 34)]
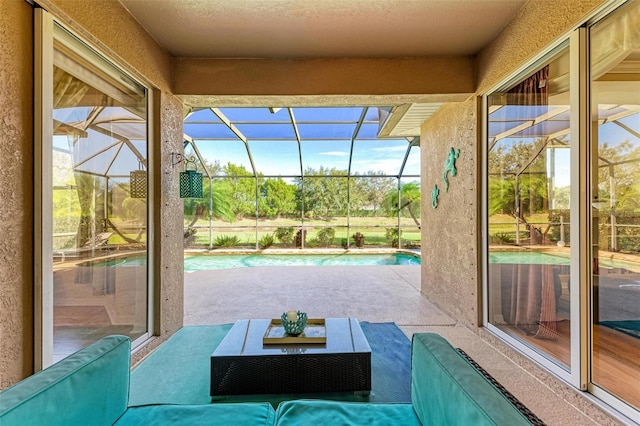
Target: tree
[(325, 192), (199, 207), (240, 190), (409, 200), (368, 192), (277, 198), (511, 165)]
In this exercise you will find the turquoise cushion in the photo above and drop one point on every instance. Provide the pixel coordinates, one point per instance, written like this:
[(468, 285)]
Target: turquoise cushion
[(334, 413), (90, 387), (245, 414), (447, 390)]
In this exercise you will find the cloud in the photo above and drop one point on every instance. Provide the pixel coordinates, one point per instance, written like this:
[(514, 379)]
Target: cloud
[(390, 149), (390, 167), (334, 153)]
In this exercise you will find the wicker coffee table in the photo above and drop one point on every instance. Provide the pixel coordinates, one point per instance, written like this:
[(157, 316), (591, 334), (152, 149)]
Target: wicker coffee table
[(243, 365)]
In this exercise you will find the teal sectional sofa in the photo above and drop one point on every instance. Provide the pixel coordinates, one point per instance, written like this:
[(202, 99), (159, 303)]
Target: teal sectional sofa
[(91, 387)]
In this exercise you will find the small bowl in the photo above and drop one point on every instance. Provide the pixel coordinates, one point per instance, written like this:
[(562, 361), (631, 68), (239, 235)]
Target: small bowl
[(294, 328)]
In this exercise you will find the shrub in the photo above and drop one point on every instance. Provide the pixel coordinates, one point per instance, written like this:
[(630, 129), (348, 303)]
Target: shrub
[(301, 236), (359, 239), (325, 236), (226, 241), (266, 241), (312, 243), (284, 234), (501, 238), (393, 236)]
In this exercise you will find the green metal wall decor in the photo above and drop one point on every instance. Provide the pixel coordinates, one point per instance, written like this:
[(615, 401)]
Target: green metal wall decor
[(434, 196), (190, 180), (450, 166)]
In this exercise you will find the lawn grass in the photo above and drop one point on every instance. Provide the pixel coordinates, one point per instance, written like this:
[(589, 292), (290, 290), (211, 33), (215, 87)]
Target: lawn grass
[(373, 228)]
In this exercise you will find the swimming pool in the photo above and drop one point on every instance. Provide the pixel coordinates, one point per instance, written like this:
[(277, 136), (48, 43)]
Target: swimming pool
[(203, 261)]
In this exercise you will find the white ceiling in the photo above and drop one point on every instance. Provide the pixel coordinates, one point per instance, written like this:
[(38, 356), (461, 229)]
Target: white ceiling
[(322, 28)]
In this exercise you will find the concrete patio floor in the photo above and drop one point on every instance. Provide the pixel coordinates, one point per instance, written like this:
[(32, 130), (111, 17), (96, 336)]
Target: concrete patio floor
[(375, 294)]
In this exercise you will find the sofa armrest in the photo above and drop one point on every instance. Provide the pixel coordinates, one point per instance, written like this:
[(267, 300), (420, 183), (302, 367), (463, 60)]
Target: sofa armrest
[(90, 387), (447, 390)]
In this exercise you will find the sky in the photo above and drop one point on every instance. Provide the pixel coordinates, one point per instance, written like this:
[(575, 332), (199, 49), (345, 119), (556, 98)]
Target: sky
[(609, 133), (325, 135)]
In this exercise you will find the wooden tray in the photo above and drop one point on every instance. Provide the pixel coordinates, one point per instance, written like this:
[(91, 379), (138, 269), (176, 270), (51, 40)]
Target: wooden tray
[(315, 332)]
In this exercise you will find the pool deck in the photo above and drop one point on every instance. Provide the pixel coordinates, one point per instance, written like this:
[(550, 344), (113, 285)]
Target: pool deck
[(375, 294)]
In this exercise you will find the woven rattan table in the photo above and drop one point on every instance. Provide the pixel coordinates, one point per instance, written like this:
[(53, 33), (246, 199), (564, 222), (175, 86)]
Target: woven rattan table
[(243, 365)]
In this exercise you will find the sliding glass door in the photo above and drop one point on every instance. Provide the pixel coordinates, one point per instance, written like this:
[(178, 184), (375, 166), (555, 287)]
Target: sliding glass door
[(529, 147), (615, 201), (93, 192), (563, 209)]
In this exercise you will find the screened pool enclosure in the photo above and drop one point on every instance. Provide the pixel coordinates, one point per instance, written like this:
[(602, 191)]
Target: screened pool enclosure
[(301, 177)]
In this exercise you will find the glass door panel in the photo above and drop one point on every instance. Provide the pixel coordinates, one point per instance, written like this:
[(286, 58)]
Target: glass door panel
[(615, 195), (528, 201), (99, 191)]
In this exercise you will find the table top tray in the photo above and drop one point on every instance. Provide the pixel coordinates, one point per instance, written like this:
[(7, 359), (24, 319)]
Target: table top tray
[(314, 333)]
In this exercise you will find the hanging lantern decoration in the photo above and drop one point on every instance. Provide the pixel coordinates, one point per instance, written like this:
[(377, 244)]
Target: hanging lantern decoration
[(190, 180), (190, 184), (138, 183)]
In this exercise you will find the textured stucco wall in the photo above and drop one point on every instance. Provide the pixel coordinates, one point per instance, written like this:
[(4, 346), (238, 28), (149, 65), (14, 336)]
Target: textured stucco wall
[(534, 28), (16, 191), (324, 76), (168, 216), (108, 25), (170, 240), (449, 248)]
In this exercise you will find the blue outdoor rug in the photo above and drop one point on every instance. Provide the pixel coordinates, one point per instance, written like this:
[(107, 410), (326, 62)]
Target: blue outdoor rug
[(179, 371), (630, 327)]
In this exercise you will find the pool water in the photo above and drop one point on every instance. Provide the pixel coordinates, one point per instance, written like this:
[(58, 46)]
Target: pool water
[(194, 263), (529, 257), (203, 262), (541, 258)]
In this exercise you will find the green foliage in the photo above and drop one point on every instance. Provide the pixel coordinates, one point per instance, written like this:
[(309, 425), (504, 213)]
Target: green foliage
[(408, 200), (325, 236), (198, 208), (277, 198), (325, 192), (506, 162), (226, 241), (368, 193), (285, 234), (502, 238), (312, 243), (266, 241), (393, 236), (134, 208), (239, 190)]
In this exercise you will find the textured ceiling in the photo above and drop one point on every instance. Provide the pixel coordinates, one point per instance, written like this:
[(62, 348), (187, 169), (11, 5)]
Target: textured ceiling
[(320, 29)]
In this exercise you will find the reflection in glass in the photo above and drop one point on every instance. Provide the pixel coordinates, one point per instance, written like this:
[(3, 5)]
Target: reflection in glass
[(99, 235), (615, 196), (528, 202)]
